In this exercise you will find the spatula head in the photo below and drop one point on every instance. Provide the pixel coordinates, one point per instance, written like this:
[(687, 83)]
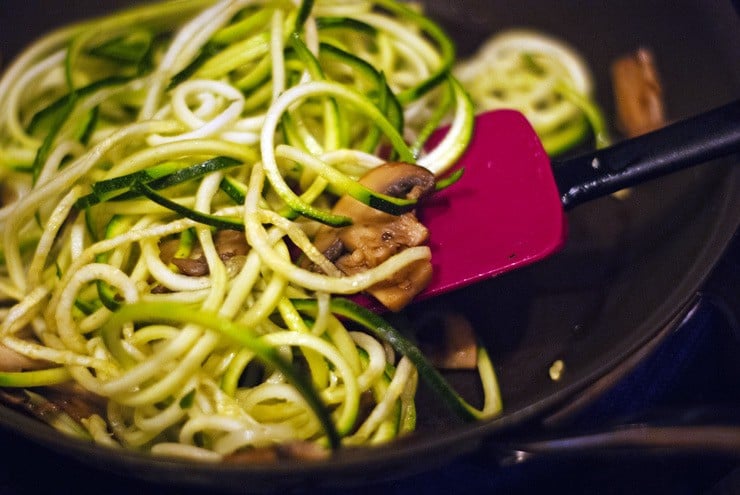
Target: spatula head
[(505, 211)]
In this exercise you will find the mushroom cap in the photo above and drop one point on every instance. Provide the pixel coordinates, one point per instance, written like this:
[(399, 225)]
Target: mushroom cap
[(375, 236), (400, 180)]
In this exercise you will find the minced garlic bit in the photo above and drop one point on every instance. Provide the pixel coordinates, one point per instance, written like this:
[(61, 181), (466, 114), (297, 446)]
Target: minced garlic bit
[(556, 370)]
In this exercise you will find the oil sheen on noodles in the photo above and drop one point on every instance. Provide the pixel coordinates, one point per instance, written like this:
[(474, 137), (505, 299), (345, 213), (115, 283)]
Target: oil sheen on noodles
[(172, 124)]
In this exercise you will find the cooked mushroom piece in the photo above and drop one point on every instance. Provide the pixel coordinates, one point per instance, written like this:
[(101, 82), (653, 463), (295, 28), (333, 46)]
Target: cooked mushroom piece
[(297, 450), (452, 344), (375, 236), (70, 401), (229, 244), (638, 94), (14, 361), (8, 195)]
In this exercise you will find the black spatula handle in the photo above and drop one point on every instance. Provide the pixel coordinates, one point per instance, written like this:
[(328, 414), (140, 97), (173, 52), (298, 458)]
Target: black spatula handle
[(701, 138)]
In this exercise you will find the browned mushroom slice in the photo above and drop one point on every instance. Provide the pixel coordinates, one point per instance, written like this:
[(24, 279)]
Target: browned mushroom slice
[(297, 450), (65, 403), (638, 95), (229, 244), (375, 236), (75, 400), (167, 249), (8, 195), (192, 267), (11, 360), (454, 346)]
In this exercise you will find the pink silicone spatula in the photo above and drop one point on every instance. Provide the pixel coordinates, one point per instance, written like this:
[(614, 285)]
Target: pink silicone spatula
[(507, 211)]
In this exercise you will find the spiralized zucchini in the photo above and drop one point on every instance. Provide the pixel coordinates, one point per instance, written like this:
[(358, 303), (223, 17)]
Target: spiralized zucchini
[(170, 125), (542, 77)]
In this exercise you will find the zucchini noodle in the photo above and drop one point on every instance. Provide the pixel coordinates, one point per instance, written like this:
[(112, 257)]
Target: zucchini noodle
[(221, 133), (543, 78)]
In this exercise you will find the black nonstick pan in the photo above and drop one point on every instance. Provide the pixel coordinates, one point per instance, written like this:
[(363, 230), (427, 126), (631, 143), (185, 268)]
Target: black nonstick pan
[(630, 272)]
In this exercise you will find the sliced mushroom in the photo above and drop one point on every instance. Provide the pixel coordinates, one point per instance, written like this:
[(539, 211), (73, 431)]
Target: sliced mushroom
[(70, 399), (638, 94), (76, 401), (375, 236), (8, 195), (192, 267), (11, 360), (400, 180), (229, 244), (297, 450), (452, 345)]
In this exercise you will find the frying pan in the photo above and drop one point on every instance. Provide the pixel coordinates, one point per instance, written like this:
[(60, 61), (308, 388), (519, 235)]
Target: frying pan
[(629, 273)]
